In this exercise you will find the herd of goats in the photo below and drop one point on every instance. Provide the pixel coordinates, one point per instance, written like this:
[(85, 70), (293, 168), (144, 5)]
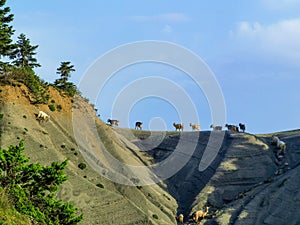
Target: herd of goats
[(42, 116), (180, 126)]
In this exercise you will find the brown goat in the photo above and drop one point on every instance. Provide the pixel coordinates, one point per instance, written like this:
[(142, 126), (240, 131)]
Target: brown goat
[(178, 126), (113, 122), (138, 125), (200, 214), (232, 128), (216, 127)]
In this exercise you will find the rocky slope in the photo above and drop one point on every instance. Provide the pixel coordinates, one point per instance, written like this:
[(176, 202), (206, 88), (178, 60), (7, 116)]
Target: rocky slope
[(245, 184)]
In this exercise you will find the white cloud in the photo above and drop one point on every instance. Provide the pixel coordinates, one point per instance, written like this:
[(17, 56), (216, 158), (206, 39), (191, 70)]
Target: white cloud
[(280, 4), (167, 29), (279, 39), (166, 18)]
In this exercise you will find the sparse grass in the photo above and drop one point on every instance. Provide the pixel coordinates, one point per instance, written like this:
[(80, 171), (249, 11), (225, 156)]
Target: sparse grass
[(167, 197), (141, 134)]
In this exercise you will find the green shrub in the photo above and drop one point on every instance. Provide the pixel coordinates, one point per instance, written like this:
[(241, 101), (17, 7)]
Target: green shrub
[(52, 107), (155, 216), (52, 101), (24, 116), (82, 166), (1, 116), (100, 185), (59, 107)]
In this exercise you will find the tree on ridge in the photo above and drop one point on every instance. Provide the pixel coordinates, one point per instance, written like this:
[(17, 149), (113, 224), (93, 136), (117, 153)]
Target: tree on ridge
[(24, 53), (6, 31)]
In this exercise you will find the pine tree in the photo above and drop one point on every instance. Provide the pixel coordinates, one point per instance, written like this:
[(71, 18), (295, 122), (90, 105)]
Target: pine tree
[(33, 187), (64, 70), (6, 31), (24, 53)]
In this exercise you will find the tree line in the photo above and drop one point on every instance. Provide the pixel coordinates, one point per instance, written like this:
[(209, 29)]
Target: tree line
[(31, 188), (18, 60)]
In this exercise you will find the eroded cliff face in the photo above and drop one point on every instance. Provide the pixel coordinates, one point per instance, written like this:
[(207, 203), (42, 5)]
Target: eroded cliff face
[(245, 184)]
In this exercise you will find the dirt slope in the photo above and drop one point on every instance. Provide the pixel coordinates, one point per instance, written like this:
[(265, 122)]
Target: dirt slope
[(244, 184)]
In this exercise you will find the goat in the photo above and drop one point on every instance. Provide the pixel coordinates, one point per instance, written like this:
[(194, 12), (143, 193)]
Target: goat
[(275, 140), (42, 116), (282, 147), (232, 127), (113, 122), (178, 126), (200, 214), (242, 127), (216, 127), (279, 144), (180, 218), (138, 125), (195, 126)]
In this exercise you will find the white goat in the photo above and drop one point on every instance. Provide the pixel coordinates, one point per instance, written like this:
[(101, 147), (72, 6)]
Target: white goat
[(195, 126), (43, 116), (275, 140), (282, 146), (279, 144)]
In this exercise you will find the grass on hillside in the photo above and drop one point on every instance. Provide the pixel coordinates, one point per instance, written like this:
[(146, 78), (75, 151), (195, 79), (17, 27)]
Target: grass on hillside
[(8, 214)]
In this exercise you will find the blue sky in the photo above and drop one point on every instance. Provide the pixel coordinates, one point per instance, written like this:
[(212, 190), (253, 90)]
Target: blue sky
[(252, 47)]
